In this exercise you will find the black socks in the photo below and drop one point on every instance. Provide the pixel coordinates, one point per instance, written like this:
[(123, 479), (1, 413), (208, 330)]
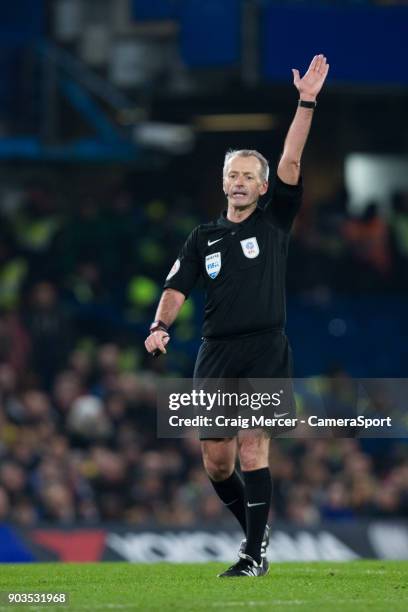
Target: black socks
[(232, 494), (258, 490), (250, 505)]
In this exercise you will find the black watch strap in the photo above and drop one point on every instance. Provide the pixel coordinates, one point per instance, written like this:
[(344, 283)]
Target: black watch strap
[(158, 325), (307, 104)]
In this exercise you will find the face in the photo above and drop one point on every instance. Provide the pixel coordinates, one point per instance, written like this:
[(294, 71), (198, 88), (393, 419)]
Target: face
[(242, 182)]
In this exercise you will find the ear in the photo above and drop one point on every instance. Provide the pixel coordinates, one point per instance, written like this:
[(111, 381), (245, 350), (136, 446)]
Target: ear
[(264, 188)]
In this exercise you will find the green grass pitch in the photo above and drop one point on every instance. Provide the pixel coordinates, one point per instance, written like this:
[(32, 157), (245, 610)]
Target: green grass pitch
[(313, 587)]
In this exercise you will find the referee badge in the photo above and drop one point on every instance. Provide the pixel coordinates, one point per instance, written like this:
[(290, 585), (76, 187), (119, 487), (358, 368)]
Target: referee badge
[(213, 264), (175, 268), (250, 247)]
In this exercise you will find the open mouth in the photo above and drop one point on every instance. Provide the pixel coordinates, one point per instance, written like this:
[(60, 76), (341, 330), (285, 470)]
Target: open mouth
[(239, 194)]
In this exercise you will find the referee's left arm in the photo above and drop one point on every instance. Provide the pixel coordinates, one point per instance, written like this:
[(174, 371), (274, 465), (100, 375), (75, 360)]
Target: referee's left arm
[(308, 87)]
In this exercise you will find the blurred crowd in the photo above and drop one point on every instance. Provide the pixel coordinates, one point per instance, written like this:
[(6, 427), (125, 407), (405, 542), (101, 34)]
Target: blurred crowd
[(78, 288), (337, 251), (86, 450)]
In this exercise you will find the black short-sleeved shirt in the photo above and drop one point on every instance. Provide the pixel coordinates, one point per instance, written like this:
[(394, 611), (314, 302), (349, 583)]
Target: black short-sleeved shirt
[(243, 266)]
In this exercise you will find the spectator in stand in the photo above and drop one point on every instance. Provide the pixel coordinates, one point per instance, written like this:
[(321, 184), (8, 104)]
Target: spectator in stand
[(50, 330), (369, 242), (13, 272), (15, 343), (13, 479), (4, 505), (399, 234), (337, 504)]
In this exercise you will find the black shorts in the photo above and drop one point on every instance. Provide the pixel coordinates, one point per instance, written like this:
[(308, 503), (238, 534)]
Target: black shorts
[(236, 362)]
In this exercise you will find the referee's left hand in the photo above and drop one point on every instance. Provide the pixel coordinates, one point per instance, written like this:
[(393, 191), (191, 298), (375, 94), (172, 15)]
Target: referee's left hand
[(312, 82)]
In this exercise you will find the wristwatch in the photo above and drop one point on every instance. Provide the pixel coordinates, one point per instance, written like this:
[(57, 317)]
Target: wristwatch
[(158, 325), (308, 104)]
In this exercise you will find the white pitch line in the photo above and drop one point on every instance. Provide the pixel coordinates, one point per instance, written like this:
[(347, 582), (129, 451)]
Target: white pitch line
[(298, 602), (278, 602), (339, 569), (49, 607), (223, 604)]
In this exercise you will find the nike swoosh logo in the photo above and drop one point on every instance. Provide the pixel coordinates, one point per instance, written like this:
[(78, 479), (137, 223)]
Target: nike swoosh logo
[(210, 242), (278, 416), (256, 504), (230, 503)]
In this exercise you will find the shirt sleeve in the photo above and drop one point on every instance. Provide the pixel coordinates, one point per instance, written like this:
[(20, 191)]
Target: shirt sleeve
[(186, 269), (284, 204)]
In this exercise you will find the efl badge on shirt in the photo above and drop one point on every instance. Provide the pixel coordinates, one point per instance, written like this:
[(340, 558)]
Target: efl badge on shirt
[(213, 264), (175, 268), (250, 247)]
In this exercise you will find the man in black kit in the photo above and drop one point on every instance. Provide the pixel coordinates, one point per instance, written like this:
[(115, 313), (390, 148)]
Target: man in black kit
[(242, 259)]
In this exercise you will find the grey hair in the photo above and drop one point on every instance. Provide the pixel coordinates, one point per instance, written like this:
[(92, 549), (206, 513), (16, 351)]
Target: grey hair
[(247, 153)]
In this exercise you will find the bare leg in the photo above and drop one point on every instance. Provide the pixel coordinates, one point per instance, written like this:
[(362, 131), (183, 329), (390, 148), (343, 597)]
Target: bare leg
[(253, 447), (219, 457)]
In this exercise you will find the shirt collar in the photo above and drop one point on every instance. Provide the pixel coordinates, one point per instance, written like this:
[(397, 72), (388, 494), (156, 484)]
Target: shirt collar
[(224, 222)]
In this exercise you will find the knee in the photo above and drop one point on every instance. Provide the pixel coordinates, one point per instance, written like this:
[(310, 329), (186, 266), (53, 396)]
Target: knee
[(218, 459), (253, 454), (250, 462), (217, 469)]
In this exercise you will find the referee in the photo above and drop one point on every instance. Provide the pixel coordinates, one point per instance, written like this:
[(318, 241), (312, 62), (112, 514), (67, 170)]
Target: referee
[(242, 258)]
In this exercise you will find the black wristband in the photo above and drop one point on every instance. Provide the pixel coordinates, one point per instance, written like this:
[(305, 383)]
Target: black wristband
[(307, 104), (158, 325)]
